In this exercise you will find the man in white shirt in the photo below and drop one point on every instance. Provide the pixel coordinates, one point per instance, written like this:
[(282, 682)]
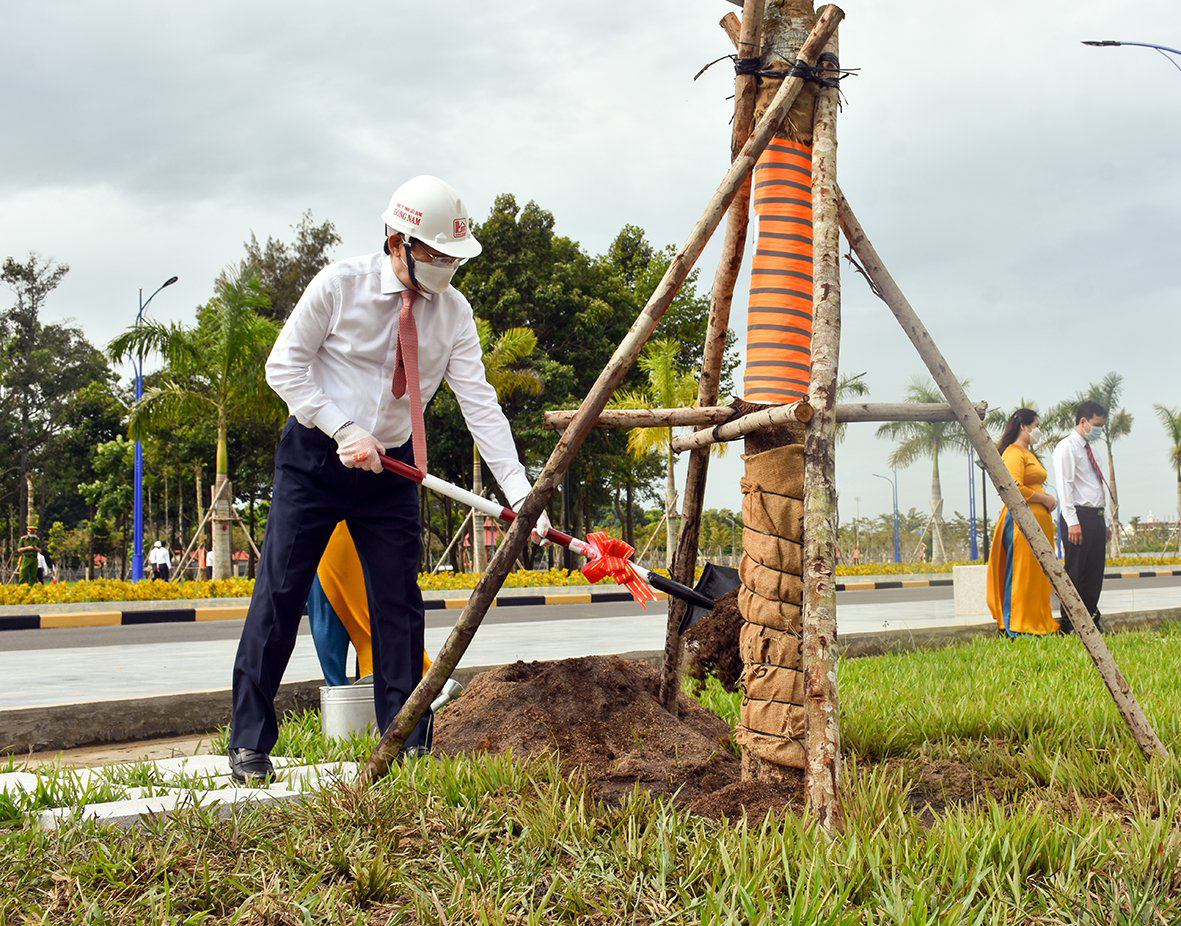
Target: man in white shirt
[(363, 352), (1081, 491), (160, 560)]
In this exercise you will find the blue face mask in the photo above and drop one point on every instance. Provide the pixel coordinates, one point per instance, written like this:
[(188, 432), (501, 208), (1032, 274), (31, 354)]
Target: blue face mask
[(1096, 433)]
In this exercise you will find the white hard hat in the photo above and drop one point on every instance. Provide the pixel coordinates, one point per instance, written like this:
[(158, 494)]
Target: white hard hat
[(430, 210)]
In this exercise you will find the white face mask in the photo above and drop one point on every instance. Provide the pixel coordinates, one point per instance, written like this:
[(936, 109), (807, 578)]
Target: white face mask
[(1096, 433), (1035, 436), (434, 278)]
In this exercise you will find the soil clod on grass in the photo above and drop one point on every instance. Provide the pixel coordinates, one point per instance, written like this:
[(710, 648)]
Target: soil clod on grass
[(713, 643), (600, 717)]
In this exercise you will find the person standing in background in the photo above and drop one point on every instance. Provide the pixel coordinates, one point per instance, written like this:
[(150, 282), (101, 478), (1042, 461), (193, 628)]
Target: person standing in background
[(1018, 588), (1079, 475), (160, 560)]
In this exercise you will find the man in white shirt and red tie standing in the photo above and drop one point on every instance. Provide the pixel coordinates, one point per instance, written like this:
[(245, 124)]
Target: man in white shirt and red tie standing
[(363, 352), (1081, 496)]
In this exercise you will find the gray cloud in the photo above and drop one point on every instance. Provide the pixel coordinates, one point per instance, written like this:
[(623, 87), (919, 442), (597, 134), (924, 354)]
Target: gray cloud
[(1023, 188)]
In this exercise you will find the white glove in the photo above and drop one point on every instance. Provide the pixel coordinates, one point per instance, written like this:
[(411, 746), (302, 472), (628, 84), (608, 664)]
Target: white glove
[(357, 448), (539, 529)]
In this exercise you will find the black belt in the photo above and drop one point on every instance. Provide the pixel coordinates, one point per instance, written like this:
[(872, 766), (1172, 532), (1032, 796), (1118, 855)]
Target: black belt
[(1088, 508)]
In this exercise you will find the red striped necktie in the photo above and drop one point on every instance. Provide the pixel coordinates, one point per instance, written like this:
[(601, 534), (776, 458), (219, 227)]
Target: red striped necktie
[(406, 376), (1098, 471)]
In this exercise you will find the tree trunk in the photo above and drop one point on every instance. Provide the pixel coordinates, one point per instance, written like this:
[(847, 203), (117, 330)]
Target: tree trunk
[(30, 497), (938, 553), (822, 741), (222, 521), (771, 718), (629, 533), (1115, 531), (200, 554), (477, 517), (180, 514), (670, 507), (253, 564)]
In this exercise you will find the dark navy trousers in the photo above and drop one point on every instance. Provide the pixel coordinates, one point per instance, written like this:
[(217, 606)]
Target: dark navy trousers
[(1085, 562), (313, 491)]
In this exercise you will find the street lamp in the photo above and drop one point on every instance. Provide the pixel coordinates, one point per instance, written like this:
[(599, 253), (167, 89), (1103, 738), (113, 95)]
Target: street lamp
[(1160, 48), (894, 485), (137, 549)]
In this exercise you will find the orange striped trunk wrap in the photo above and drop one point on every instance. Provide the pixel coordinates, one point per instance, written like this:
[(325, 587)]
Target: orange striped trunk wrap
[(779, 319)]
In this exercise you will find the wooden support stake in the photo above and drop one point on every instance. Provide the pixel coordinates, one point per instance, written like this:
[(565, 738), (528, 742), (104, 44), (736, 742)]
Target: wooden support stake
[(822, 730), (417, 704), (709, 415), (887, 290), (795, 415), (684, 562)]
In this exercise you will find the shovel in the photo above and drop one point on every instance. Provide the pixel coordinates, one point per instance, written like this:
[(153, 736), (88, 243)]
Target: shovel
[(606, 556)]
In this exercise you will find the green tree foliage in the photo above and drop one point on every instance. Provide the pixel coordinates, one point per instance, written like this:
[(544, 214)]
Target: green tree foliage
[(42, 366), (213, 372), (668, 386), (285, 270), (580, 307), (921, 439), (110, 494), (1171, 419)]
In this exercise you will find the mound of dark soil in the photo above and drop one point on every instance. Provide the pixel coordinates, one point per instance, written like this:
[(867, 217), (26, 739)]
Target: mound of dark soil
[(712, 643), (601, 718), (756, 799)]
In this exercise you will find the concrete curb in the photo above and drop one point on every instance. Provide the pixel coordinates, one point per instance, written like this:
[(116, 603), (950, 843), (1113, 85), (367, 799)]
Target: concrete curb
[(130, 613)]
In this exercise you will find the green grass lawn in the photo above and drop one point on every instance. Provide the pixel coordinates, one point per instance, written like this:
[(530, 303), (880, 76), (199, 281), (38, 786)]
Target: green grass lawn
[(991, 782)]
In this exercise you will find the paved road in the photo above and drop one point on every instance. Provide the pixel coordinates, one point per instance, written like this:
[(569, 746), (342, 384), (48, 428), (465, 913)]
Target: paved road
[(86, 664)]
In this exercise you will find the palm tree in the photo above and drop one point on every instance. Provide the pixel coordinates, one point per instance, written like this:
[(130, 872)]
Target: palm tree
[(501, 356), (850, 387), (1119, 422), (213, 371), (1171, 419), (667, 387), (926, 439)]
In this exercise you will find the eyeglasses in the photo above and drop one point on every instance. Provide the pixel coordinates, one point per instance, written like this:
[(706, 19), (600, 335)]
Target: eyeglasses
[(420, 251)]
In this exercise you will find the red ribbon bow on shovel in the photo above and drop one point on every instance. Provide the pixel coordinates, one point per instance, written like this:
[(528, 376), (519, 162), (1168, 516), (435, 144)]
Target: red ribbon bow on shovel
[(612, 557)]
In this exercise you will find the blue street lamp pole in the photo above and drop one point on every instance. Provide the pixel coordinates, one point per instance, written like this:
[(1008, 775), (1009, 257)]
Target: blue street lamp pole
[(137, 549), (894, 486)]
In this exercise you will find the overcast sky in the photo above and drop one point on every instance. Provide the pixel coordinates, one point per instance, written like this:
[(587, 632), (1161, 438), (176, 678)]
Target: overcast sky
[(1023, 189)]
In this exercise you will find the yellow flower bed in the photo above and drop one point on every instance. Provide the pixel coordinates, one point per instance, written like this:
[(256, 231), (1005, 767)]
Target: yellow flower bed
[(117, 590)]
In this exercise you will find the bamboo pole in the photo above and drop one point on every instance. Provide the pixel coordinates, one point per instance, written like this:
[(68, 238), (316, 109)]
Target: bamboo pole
[(822, 731), (796, 414), (710, 415), (684, 561), (645, 417), (887, 290), (621, 362)]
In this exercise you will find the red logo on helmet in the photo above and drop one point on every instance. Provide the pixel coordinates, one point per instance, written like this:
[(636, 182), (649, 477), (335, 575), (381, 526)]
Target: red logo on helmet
[(460, 228)]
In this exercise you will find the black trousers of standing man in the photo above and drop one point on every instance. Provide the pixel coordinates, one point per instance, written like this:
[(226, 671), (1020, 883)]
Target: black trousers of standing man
[(1085, 561), (313, 491)]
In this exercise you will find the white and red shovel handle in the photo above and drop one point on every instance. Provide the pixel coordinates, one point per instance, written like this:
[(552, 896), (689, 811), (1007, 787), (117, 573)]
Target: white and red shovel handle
[(607, 556)]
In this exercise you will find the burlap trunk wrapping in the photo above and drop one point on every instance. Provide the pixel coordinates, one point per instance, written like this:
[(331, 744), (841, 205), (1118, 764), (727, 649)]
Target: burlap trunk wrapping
[(771, 722)]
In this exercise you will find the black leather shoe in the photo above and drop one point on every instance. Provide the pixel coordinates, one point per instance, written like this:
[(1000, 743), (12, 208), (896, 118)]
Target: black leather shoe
[(247, 764)]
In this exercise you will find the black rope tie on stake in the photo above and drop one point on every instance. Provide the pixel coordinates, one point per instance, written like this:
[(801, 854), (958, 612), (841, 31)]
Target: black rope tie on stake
[(827, 64)]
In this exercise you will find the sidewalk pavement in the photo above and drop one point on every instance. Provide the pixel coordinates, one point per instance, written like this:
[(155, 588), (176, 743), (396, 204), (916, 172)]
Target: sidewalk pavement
[(81, 674)]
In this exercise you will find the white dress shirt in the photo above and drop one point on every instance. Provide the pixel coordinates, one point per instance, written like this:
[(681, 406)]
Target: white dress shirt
[(333, 362), (159, 556), (1078, 483)]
